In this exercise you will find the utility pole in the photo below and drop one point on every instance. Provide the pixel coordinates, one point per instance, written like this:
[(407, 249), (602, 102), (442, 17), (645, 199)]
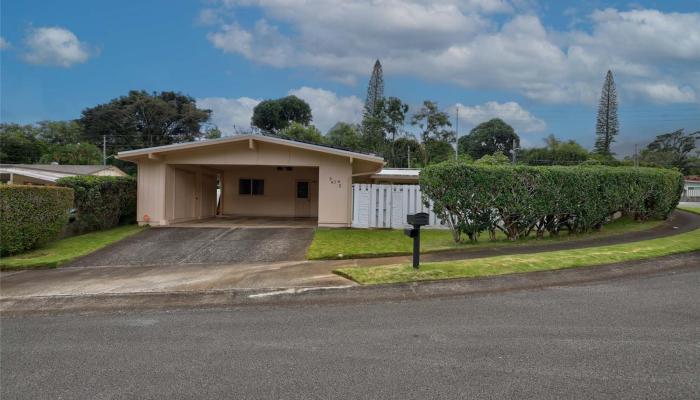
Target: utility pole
[(104, 150), (514, 151), (408, 150), (457, 135)]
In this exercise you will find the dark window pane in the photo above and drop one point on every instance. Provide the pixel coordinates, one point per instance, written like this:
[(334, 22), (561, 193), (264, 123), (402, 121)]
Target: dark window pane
[(302, 190), (258, 186), (244, 186)]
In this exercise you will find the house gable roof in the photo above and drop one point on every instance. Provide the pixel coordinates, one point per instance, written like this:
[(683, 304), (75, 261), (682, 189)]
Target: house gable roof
[(130, 154), (61, 169)]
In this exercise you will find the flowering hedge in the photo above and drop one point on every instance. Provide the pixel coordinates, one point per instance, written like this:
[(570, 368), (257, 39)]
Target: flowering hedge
[(520, 200), (31, 215)]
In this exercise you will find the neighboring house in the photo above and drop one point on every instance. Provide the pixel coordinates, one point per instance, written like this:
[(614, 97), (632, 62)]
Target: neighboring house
[(47, 174), (691, 188), (394, 176), (259, 176)]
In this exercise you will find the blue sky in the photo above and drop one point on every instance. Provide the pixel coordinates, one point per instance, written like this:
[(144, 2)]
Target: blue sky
[(538, 65)]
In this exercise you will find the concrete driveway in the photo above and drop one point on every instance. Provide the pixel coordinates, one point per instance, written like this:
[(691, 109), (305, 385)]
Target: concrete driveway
[(173, 246)]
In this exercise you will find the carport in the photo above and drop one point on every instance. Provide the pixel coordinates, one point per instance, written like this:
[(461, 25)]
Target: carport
[(248, 180)]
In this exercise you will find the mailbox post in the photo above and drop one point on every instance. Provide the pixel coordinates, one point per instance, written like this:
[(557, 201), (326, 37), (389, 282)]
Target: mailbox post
[(417, 220)]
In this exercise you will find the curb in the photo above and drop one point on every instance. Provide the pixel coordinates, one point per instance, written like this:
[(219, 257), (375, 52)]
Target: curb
[(120, 302)]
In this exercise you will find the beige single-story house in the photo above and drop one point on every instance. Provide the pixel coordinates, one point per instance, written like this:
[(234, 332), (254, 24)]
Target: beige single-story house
[(258, 176), (48, 174)]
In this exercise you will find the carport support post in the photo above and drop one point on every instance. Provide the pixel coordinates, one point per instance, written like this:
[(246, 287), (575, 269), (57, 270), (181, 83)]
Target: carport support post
[(416, 248)]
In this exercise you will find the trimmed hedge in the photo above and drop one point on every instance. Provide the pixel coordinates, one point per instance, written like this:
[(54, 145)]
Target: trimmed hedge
[(32, 215), (519, 200), (101, 202)]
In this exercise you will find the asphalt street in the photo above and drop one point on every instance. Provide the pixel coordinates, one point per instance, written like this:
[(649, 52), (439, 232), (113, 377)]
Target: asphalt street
[(630, 338)]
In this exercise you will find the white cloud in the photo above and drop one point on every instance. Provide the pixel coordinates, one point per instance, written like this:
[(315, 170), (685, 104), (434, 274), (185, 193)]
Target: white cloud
[(660, 92), (327, 108), (511, 112), (4, 44), (460, 42), (54, 46), (229, 114)]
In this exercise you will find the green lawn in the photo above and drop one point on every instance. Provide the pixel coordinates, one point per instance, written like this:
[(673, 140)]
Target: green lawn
[(61, 251), (362, 243), (500, 265), (692, 209)]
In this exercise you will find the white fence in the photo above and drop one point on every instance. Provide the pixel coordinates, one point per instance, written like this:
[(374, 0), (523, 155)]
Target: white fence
[(386, 206)]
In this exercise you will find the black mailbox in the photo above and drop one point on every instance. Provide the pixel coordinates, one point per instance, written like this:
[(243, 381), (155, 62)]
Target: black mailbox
[(418, 219)]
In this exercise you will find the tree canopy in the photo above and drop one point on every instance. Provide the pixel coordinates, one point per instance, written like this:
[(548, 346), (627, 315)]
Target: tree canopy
[(275, 115), (489, 137), (672, 150), (142, 119), (555, 152)]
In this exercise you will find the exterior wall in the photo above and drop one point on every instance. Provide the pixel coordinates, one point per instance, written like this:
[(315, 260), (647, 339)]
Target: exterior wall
[(190, 193), (279, 195), (111, 171), (334, 192), (150, 198)]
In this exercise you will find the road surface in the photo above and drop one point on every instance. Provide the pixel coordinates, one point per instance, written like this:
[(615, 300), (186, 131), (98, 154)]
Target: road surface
[(628, 338)]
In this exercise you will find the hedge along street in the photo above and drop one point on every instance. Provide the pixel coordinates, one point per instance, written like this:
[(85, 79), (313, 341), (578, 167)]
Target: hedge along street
[(682, 243), (101, 202), (519, 200), (31, 215)]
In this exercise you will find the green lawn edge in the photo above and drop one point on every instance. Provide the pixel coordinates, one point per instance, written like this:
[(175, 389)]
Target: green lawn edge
[(501, 265), (61, 251), (329, 243)]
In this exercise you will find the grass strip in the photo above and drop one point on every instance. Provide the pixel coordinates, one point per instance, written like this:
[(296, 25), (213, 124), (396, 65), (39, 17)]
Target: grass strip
[(363, 243), (501, 265), (61, 251)]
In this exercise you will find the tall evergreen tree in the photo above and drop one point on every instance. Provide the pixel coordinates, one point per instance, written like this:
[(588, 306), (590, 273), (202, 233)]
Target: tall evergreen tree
[(373, 117), (607, 125), (375, 90)]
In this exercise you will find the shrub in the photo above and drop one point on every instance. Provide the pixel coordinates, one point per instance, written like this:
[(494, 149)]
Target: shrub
[(101, 202), (519, 200), (31, 215)]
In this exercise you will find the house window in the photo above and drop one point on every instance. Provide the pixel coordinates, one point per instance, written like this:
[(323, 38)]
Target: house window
[(302, 190), (255, 187)]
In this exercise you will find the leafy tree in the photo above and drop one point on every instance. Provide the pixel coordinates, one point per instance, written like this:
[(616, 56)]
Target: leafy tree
[(73, 154), (19, 144), (433, 123), (671, 150), (345, 135), (488, 138), (436, 151), (275, 115), (142, 119), (395, 116), (496, 158), (607, 125), (60, 132), (213, 133), (555, 152), (408, 153), (297, 131)]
